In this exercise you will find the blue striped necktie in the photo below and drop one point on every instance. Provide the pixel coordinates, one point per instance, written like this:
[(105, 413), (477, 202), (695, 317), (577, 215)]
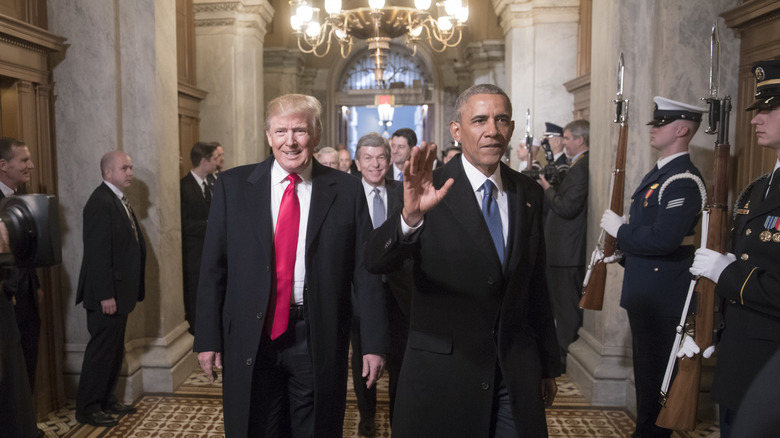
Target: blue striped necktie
[(493, 218)]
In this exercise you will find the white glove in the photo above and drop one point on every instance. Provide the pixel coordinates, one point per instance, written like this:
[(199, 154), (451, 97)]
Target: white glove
[(611, 222), (710, 264), (688, 347)]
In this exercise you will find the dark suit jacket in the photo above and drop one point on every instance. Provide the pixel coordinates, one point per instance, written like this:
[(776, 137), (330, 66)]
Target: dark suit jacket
[(399, 282), (471, 315), (751, 288), (194, 217), (237, 278), (114, 262), (565, 227), (656, 279)]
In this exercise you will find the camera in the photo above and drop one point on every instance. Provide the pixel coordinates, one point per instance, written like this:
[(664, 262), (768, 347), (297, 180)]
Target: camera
[(33, 231)]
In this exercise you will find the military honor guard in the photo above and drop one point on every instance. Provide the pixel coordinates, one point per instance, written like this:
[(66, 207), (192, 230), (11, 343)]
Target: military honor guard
[(658, 246), (748, 278)]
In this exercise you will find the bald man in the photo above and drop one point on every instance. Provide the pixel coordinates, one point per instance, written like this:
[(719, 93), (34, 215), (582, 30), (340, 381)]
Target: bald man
[(110, 283)]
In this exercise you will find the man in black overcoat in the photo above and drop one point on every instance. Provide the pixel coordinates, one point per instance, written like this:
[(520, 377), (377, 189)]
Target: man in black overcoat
[(482, 355)]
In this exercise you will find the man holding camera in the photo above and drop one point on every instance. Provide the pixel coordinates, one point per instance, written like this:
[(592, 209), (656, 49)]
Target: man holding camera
[(110, 283), (565, 230)]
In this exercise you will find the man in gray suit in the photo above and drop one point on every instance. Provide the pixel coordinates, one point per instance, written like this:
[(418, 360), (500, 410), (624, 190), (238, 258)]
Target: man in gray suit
[(565, 229)]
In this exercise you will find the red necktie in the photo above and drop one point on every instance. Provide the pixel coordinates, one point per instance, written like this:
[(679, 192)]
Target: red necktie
[(285, 246)]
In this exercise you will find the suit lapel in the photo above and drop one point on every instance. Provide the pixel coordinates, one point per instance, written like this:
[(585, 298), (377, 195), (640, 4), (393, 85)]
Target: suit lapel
[(518, 216), (323, 193), (257, 197), (461, 201)]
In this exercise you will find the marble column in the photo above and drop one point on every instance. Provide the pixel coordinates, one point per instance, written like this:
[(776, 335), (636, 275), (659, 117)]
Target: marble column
[(229, 38), (666, 49), (541, 55), (116, 89)]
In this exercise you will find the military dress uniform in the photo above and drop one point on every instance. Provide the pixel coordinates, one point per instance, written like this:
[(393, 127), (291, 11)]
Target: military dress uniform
[(658, 245), (748, 278), (751, 290)]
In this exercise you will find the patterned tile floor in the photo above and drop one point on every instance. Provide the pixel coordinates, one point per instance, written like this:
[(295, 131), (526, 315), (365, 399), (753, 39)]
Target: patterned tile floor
[(195, 411)]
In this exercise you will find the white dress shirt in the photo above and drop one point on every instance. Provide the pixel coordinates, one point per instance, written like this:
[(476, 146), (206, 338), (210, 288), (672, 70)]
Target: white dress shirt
[(279, 183)]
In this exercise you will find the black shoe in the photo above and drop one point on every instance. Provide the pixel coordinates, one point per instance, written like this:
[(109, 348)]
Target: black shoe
[(366, 427), (119, 409), (97, 419), (41, 433)]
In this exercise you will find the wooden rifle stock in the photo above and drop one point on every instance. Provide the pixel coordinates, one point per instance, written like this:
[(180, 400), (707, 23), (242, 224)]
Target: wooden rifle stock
[(679, 412), (593, 290)]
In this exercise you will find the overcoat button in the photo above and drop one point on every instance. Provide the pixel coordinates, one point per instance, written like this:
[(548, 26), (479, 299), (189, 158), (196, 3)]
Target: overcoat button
[(260, 315), (485, 386), (491, 281), (655, 269), (744, 256), (748, 231), (249, 361)]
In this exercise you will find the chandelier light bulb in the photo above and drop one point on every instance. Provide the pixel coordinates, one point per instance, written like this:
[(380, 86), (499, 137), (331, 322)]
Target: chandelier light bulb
[(333, 6), (304, 12), (376, 4), (444, 24), (340, 34), (416, 31), (463, 15), (296, 22), (422, 4), (452, 7), (313, 29)]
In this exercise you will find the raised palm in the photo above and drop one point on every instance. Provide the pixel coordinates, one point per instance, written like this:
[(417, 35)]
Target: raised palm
[(420, 195)]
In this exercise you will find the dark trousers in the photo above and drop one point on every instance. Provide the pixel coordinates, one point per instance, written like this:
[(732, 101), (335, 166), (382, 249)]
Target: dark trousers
[(102, 361), (366, 397), (652, 338), (502, 422), (30, 330), (399, 334), (727, 417), (17, 416), (565, 286), (282, 403)]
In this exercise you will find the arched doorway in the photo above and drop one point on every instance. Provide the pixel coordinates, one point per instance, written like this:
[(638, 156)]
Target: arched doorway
[(411, 88)]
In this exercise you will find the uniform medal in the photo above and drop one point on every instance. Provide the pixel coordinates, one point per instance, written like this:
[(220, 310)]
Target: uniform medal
[(771, 223), (650, 193)]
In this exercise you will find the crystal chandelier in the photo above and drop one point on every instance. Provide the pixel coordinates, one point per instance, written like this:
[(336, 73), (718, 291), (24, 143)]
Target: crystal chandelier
[(378, 25)]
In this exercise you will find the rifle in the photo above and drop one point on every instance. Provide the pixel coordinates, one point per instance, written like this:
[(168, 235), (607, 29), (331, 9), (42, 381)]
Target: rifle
[(596, 276), (679, 406)]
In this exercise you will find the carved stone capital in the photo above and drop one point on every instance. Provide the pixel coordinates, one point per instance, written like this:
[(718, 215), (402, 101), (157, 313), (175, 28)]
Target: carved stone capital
[(244, 14), (527, 13)]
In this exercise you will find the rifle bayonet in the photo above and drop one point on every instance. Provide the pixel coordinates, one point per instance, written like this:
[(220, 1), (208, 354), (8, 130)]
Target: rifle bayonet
[(621, 110), (712, 99)]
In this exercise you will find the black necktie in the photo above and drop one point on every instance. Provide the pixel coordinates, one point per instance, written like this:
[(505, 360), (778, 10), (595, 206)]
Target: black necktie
[(207, 192), (130, 216)]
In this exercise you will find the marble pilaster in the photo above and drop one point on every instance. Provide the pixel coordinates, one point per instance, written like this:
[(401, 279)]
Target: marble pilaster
[(118, 91), (229, 39), (666, 50), (541, 55), (283, 69), (485, 60)]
